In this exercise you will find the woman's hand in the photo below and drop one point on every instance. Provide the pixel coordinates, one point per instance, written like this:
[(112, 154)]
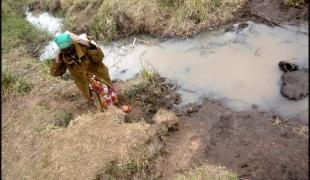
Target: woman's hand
[(77, 39), (84, 42)]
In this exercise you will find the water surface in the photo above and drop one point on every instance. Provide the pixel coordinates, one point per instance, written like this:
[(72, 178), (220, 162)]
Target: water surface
[(239, 67)]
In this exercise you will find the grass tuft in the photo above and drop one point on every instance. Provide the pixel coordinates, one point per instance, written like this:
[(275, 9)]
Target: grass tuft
[(208, 172), (294, 3), (12, 84), (63, 119), (196, 10)]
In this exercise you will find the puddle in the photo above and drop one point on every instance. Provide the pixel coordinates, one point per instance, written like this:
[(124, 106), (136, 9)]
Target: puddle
[(240, 66)]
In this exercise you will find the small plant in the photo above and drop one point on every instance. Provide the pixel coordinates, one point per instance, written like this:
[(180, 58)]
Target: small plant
[(293, 3), (208, 172), (63, 119), (122, 169), (13, 84)]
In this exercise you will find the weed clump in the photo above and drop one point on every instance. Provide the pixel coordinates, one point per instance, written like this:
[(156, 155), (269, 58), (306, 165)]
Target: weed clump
[(63, 119), (196, 10), (293, 3), (208, 172), (12, 84)]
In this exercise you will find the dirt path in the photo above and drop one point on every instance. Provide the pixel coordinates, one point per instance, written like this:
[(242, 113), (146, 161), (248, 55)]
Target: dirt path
[(245, 142)]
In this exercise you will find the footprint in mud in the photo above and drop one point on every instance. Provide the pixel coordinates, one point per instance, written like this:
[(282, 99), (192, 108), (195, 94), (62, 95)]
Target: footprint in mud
[(222, 128)]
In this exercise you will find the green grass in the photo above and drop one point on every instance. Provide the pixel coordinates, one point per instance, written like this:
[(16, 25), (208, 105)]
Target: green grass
[(16, 31), (13, 84)]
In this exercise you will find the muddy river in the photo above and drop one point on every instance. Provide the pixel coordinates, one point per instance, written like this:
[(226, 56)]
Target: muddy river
[(238, 66)]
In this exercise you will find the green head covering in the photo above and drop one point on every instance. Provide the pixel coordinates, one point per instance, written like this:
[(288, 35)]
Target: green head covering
[(63, 40)]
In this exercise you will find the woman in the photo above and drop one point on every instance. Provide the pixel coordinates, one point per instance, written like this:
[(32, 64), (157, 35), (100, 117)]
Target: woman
[(84, 61)]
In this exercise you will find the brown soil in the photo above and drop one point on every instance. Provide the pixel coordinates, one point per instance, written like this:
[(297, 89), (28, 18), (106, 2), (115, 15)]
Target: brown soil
[(255, 145), (248, 143), (276, 11)]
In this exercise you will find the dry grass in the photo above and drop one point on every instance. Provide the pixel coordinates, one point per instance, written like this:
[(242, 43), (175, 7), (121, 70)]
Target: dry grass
[(89, 144), (112, 19)]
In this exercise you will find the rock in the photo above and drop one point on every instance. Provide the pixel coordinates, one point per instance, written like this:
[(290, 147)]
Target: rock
[(190, 110), (286, 66), (244, 165), (283, 133), (295, 84), (165, 117), (165, 121), (193, 108), (254, 106), (242, 26)]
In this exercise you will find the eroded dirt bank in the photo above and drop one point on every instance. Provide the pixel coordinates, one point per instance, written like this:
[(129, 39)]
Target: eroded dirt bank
[(253, 144), (116, 19)]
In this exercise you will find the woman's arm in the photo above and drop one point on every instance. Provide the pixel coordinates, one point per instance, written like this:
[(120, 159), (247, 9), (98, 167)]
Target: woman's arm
[(58, 68)]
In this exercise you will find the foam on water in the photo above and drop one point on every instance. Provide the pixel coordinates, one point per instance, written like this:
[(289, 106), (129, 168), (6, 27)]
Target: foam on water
[(45, 21)]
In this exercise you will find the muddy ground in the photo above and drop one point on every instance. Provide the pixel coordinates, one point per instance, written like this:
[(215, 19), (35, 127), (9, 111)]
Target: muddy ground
[(248, 143), (254, 144)]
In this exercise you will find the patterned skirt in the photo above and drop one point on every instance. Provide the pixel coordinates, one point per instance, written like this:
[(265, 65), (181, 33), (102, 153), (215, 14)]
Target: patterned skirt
[(102, 95)]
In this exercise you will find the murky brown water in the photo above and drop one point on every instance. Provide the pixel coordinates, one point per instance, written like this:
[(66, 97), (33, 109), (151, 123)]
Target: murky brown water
[(240, 67)]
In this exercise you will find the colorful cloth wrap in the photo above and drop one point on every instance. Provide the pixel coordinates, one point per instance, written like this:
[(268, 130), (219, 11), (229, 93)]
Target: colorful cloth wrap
[(103, 96)]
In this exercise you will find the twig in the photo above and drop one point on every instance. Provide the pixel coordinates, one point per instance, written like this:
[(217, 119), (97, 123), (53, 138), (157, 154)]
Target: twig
[(236, 100), (147, 42), (278, 121), (190, 91), (133, 44), (38, 47), (266, 19)]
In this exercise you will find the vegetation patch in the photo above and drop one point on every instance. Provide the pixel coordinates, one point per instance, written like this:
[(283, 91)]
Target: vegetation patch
[(63, 118), (17, 31), (294, 3), (112, 19), (13, 84), (208, 172)]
